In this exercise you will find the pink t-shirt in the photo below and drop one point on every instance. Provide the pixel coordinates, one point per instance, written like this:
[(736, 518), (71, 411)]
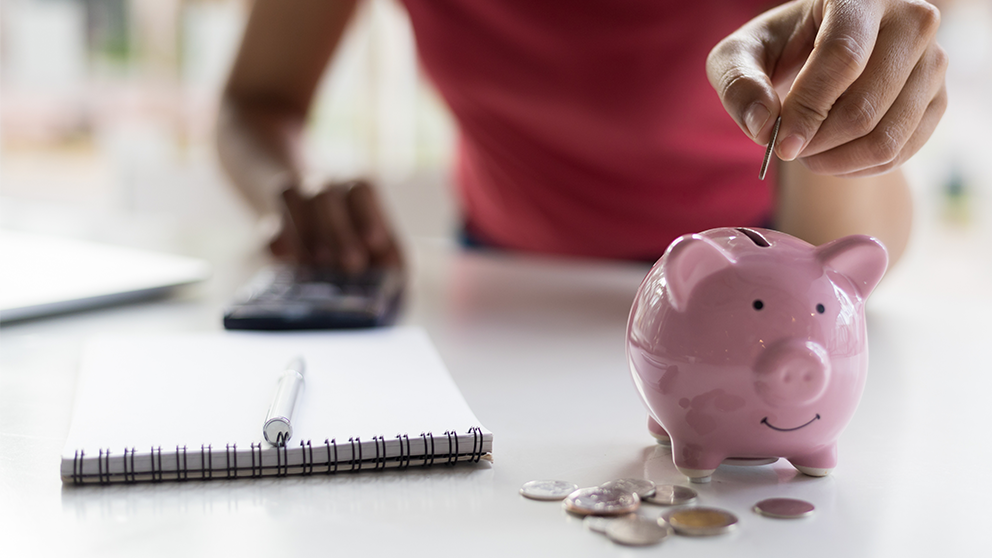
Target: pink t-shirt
[(589, 127)]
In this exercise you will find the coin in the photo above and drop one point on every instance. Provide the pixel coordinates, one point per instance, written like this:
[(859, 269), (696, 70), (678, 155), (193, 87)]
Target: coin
[(769, 150), (547, 489), (638, 531), (598, 523), (641, 487), (601, 501), (671, 495), (700, 522), (784, 508)]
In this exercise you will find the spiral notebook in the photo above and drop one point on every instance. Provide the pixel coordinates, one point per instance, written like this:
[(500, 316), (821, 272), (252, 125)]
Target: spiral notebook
[(191, 406)]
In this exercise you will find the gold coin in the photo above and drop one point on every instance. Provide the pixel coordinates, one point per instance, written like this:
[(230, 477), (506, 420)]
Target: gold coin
[(700, 522)]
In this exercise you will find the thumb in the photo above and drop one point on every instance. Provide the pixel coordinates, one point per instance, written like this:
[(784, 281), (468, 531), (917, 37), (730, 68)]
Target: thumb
[(736, 70)]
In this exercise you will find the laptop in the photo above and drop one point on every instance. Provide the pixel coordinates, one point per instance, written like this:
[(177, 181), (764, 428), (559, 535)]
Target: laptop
[(43, 275)]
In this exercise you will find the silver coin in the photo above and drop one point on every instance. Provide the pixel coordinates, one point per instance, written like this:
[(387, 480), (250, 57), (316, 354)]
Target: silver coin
[(548, 489), (638, 531), (701, 522), (601, 501), (641, 487), (671, 495), (598, 524), (769, 150), (784, 508)]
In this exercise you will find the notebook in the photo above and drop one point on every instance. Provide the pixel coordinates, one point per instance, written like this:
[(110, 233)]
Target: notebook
[(49, 275), (192, 406)]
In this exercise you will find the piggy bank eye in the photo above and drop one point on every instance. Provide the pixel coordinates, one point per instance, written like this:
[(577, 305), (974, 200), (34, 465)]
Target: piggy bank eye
[(758, 305), (821, 308)]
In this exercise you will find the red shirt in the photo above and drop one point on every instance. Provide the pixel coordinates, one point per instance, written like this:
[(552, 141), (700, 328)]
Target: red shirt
[(589, 127)]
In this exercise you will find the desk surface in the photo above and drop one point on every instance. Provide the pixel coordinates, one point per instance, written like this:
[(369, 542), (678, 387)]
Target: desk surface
[(525, 339)]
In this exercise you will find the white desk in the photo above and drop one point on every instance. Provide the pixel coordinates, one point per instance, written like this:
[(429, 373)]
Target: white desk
[(533, 344)]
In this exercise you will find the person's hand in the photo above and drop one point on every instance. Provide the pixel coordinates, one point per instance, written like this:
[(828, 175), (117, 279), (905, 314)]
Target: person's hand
[(342, 227), (866, 76)]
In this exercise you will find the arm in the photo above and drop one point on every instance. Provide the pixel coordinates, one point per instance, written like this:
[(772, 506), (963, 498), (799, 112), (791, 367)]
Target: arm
[(862, 81), (862, 88), (285, 48), (820, 208)]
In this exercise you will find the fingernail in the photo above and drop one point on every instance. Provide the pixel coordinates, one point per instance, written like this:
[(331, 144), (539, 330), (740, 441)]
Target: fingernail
[(755, 118), (789, 148)]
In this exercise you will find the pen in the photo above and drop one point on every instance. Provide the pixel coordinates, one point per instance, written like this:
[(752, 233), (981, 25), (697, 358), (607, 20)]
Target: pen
[(278, 429)]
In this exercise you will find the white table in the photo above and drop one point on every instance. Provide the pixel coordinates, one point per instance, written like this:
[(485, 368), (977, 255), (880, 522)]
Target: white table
[(537, 347)]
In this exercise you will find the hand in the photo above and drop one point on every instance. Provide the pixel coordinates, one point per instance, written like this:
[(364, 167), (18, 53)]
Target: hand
[(866, 76), (342, 227)]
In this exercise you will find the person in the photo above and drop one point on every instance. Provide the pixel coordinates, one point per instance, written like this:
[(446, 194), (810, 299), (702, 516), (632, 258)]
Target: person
[(593, 129)]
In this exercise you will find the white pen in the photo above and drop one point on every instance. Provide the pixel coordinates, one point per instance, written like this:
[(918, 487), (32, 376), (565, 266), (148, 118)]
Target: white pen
[(278, 429)]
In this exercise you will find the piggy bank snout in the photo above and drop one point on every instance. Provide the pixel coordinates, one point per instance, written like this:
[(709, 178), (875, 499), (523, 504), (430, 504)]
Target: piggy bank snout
[(791, 373)]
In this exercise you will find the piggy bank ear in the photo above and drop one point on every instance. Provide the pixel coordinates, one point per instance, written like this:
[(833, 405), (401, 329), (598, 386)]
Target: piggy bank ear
[(861, 258), (690, 259)]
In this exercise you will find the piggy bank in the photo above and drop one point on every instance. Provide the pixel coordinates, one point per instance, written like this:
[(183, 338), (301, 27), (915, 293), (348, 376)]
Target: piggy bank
[(750, 344)]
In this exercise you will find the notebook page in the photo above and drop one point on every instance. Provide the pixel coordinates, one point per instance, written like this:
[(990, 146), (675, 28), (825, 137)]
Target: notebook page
[(214, 389)]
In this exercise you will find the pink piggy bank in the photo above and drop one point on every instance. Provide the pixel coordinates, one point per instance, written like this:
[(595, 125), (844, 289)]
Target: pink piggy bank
[(750, 344)]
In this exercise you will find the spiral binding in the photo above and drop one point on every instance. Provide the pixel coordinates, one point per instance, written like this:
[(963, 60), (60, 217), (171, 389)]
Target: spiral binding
[(232, 472), (259, 447), (298, 462), (206, 465), (306, 447), (335, 461), (401, 438), (182, 473), (354, 441)]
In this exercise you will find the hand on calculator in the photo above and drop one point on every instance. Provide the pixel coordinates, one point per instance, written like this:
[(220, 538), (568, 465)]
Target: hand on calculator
[(343, 227)]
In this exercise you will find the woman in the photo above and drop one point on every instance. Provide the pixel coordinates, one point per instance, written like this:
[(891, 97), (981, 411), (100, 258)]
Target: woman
[(592, 128)]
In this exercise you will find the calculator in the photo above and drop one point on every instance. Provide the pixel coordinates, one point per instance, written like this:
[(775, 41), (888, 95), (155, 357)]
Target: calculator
[(293, 297)]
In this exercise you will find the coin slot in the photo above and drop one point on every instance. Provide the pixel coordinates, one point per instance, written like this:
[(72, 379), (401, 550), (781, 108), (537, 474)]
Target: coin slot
[(755, 236)]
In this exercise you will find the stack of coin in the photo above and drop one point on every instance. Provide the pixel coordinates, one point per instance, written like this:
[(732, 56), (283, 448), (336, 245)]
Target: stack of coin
[(601, 500), (642, 487), (611, 507)]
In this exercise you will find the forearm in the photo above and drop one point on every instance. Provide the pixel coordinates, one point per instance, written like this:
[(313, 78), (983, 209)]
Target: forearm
[(820, 208), (286, 45), (260, 148)]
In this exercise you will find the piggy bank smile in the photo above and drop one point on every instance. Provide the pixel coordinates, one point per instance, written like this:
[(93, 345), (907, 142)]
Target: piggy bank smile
[(793, 429), (750, 343)]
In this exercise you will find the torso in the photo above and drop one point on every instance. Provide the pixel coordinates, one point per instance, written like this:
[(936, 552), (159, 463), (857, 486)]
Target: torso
[(589, 128)]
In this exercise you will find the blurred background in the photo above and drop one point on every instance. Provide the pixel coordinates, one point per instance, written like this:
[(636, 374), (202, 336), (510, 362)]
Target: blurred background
[(108, 109)]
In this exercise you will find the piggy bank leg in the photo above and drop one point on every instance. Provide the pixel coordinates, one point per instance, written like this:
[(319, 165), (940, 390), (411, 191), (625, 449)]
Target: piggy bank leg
[(818, 464), (695, 462), (659, 433)]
